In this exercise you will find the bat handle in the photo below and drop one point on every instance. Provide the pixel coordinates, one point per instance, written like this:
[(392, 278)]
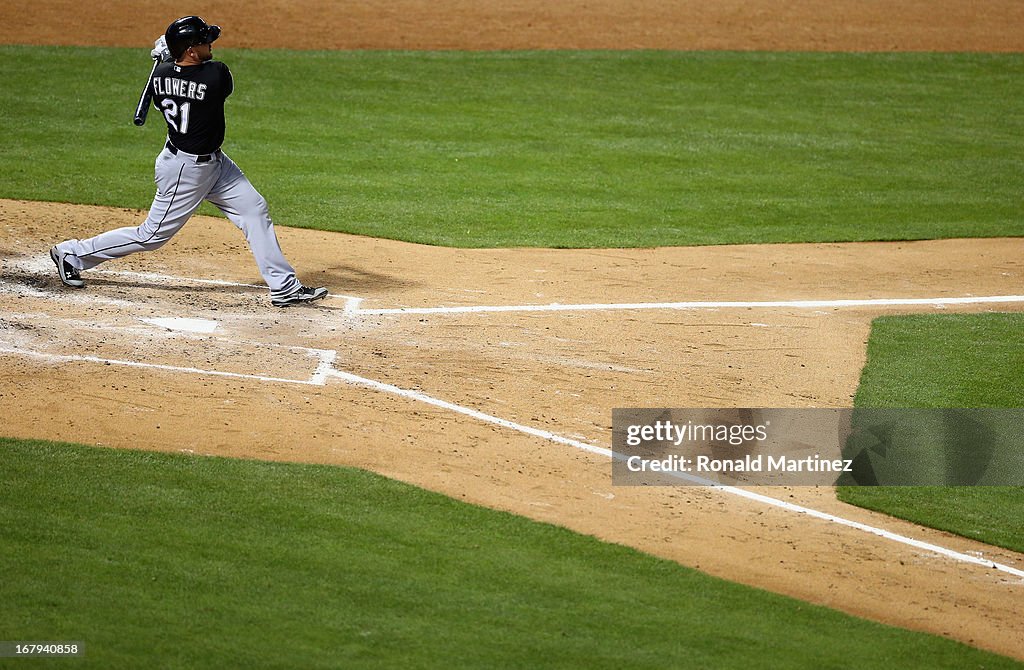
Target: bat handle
[(142, 109)]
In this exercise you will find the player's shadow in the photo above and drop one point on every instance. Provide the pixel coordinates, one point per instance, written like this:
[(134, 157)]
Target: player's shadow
[(343, 279), (352, 280)]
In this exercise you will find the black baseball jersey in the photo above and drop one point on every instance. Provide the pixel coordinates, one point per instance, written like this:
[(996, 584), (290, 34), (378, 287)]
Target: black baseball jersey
[(191, 98)]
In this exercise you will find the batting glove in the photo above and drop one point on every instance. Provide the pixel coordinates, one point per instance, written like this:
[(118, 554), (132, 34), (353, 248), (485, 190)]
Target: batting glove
[(160, 51)]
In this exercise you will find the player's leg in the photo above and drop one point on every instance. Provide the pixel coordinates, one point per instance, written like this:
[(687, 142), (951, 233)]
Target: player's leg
[(181, 186), (234, 195)]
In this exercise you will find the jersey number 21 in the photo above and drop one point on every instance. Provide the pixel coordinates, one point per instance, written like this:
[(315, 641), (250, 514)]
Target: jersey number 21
[(172, 112)]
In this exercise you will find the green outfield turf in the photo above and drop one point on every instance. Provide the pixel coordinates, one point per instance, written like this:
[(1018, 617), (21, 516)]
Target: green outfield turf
[(183, 561), (558, 149), (947, 360)]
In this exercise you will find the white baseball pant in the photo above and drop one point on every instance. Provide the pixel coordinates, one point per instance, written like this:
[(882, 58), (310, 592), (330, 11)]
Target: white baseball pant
[(183, 181)]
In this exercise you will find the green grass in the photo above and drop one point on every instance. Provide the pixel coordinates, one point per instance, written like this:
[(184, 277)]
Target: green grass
[(196, 562), (558, 149), (947, 360), (944, 360), (989, 514)]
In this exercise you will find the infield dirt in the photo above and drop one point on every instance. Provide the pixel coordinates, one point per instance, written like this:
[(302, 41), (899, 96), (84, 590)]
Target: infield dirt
[(560, 371)]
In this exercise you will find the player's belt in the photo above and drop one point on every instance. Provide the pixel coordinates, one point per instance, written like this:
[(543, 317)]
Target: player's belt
[(200, 158)]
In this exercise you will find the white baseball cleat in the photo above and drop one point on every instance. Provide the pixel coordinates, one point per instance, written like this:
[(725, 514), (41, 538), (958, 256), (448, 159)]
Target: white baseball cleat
[(301, 295)]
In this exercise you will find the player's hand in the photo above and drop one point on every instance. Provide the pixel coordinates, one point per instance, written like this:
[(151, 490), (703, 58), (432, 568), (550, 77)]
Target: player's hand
[(160, 51)]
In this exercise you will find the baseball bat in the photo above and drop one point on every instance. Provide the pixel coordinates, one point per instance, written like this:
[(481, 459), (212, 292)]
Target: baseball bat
[(145, 97)]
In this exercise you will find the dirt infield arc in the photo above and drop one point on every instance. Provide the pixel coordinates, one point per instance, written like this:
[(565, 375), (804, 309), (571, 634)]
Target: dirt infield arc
[(800, 25), (240, 389)]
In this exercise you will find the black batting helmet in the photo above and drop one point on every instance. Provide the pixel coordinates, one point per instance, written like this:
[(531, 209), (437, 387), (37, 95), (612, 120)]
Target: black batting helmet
[(188, 31)]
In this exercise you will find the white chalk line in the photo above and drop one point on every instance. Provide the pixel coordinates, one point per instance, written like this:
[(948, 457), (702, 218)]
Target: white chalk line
[(722, 304), (732, 490), (353, 303), (889, 535), (70, 358), (481, 416), (325, 369)]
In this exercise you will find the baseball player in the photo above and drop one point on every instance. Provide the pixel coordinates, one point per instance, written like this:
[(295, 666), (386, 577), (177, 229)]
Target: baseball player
[(189, 88)]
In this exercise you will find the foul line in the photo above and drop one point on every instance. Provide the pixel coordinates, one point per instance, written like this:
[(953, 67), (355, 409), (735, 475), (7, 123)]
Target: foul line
[(325, 369), (732, 490), (902, 539), (481, 416), (353, 303), (794, 304), (316, 380)]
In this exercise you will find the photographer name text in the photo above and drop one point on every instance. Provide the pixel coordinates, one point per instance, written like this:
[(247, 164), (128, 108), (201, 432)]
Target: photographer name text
[(749, 463)]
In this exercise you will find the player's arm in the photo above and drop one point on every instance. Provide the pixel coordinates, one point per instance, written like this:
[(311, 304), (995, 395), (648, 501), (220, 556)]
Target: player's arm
[(229, 82)]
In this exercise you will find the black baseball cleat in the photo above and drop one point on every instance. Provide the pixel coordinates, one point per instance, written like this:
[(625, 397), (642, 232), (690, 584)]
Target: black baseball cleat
[(301, 295), (67, 272)]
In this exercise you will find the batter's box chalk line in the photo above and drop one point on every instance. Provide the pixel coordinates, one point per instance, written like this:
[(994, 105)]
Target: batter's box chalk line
[(325, 369), (696, 305), (318, 378), (353, 304)]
